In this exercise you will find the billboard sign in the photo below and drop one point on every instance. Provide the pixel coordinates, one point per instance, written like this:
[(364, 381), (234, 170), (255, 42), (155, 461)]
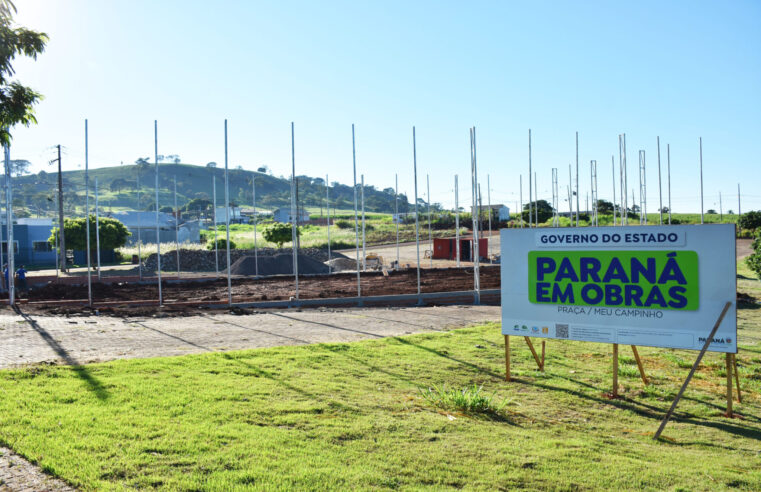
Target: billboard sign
[(659, 286)]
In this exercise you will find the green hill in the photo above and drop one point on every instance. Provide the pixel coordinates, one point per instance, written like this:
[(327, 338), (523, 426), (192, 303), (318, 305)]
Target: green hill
[(35, 193)]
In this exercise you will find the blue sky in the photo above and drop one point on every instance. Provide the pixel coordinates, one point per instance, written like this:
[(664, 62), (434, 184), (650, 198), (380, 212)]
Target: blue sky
[(678, 70)]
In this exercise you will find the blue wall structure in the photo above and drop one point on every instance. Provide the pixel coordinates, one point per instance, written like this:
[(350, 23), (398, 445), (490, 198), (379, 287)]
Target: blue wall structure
[(31, 245)]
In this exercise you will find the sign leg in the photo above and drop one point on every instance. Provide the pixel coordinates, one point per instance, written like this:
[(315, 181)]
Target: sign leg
[(543, 358), (639, 364), (507, 357), (737, 378), (533, 352), (615, 370), (729, 384), (692, 372)]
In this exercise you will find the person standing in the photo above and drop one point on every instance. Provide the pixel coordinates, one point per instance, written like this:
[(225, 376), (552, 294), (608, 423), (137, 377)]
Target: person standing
[(21, 276)]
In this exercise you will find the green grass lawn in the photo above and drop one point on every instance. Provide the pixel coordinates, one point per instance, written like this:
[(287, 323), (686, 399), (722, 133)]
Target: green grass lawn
[(358, 416)]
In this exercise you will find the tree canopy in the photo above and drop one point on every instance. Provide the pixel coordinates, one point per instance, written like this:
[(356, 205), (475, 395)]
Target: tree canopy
[(113, 234), (16, 101)]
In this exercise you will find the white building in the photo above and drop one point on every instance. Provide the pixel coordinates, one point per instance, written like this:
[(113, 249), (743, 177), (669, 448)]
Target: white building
[(284, 215)]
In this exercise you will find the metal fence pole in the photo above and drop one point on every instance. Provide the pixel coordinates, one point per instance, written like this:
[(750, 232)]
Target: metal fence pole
[(356, 216), (227, 224), (97, 228), (139, 239), (158, 231), (87, 218), (701, 180), (177, 227), (216, 242), (577, 179), (396, 212), (327, 215), (417, 223), (476, 250), (520, 194), (613, 175), (430, 233), (457, 220), (660, 189), (530, 174), (668, 167), (488, 206), (256, 224), (294, 213), (364, 250), (9, 224)]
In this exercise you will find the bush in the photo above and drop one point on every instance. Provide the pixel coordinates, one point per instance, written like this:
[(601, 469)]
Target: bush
[(344, 224), (750, 220), (221, 244), (279, 233), (754, 260)]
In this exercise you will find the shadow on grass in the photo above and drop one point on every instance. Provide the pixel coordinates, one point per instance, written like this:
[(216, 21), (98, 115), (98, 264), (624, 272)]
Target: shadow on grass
[(81, 371)]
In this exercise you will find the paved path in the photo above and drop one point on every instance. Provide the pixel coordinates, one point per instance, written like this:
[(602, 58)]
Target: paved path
[(28, 339), (18, 475)]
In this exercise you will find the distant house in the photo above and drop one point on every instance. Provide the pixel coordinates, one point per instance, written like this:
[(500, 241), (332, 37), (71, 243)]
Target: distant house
[(498, 211), (284, 215), (30, 242), (142, 225), (221, 216)]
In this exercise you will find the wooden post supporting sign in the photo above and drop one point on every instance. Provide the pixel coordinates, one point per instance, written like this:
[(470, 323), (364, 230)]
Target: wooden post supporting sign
[(709, 339), (737, 377), (639, 365)]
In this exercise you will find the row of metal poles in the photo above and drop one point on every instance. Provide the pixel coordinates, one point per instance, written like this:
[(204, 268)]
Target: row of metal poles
[(621, 209)]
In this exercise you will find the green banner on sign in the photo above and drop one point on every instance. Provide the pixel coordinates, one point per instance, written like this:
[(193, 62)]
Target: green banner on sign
[(626, 279)]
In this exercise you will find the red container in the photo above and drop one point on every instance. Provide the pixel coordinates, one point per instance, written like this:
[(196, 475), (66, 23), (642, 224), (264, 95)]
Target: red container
[(442, 248)]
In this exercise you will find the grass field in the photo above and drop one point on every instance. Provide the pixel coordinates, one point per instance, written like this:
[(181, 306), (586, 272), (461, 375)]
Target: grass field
[(360, 416)]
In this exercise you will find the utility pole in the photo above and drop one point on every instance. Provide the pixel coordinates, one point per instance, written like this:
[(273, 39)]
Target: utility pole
[(62, 251)]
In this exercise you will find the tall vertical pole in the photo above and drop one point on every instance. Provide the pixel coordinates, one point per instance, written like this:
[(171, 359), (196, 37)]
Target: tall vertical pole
[(139, 239), (9, 224), (256, 223), (570, 196), (97, 227), (577, 179), (520, 195), (216, 242), (536, 202), (626, 179), (227, 225), (530, 174), (61, 234), (739, 209), (356, 218), (177, 227), (158, 232), (457, 220), (613, 175), (396, 212), (57, 243), (430, 234), (476, 253), (327, 214), (721, 210), (364, 250), (701, 180), (668, 166), (87, 218), (488, 206), (417, 220), (294, 213), (660, 189)]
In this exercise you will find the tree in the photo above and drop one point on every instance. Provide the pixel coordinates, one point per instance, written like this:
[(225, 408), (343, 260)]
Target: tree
[(113, 234), (16, 101), (754, 261), (143, 164), (279, 233), (542, 208), (263, 169), (711, 211), (221, 244), (198, 204), (211, 164), (118, 185), (604, 207), (750, 220), (19, 166)]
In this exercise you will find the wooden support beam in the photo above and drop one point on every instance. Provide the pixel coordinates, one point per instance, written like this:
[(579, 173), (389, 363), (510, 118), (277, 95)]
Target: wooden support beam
[(639, 364), (507, 358), (533, 352), (615, 371), (692, 371), (543, 356), (737, 378), (729, 384)]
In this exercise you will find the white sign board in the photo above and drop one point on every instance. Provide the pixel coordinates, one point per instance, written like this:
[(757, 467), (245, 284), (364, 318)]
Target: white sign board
[(658, 286)]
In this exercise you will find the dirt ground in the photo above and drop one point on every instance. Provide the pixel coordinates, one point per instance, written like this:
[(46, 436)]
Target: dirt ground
[(43, 300)]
